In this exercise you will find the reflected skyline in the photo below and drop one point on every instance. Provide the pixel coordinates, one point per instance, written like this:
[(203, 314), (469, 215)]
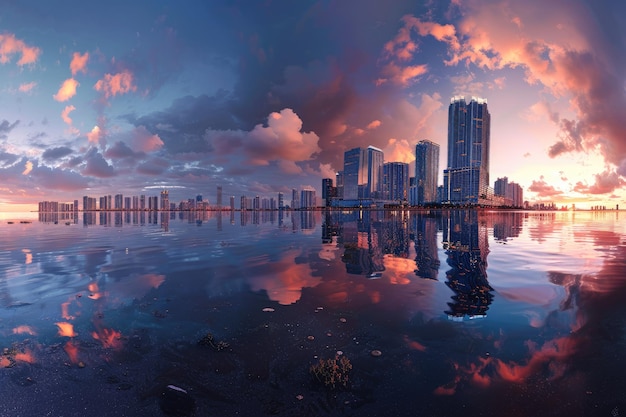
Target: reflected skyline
[(549, 289)]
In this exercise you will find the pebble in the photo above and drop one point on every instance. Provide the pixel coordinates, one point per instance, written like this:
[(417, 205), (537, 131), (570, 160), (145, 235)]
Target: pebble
[(376, 352), (268, 310)]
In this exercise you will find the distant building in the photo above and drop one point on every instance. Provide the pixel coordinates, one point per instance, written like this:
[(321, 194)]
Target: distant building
[(396, 181), (243, 203), (295, 199), (466, 179), (363, 173), (426, 172), (219, 196), (328, 191), (308, 199), (232, 202), (165, 200), (281, 201)]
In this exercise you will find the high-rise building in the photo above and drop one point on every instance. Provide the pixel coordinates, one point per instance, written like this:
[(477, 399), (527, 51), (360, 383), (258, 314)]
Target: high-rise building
[(219, 196), (512, 193), (165, 200), (466, 180), (308, 199), (295, 199), (396, 181), (281, 201), (243, 203), (426, 172), (328, 191), (363, 173), (232, 202)]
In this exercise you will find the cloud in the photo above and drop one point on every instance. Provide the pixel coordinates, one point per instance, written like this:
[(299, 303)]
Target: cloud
[(97, 166), (144, 141), (373, 124), (6, 127), (605, 182), (59, 179), (67, 90), (27, 87), (154, 166), (543, 189), (10, 45), (53, 154), (114, 84), (65, 114), (28, 168), (119, 151), (281, 140), (399, 151), (79, 62), (95, 135)]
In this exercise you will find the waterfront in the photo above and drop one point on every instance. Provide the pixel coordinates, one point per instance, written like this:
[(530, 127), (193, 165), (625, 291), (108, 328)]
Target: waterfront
[(472, 312)]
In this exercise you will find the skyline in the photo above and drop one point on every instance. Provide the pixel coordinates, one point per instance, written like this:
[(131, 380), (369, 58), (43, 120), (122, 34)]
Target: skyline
[(150, 96)]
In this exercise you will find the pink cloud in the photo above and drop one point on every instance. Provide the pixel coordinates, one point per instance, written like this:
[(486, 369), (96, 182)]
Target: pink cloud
[(65, 114), (10, 45), (95, 135), (67, 90), (401, 75), (79, 62), (605, 182), (543, 189), (374, 124), (112, 85), (281, 141), (27, 87), (144, 141)]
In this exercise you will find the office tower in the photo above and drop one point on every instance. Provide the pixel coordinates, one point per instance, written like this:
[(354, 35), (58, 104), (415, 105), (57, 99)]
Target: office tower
[(232, 202), (511, 192), (363, 173), (426, 172), (307, 199), (118, 202), (466, 180), (256, 203), (165, 200), (219, 196), (142, 202), (281, 201), (328, 191), (396, 181), (295, 199), (243, 203), (339, 184), (127, 201)]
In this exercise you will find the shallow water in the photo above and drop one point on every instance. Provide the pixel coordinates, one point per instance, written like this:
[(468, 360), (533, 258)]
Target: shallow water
[(474, 313)]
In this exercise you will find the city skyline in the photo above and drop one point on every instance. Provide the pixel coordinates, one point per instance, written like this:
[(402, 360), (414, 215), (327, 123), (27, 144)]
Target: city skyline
[(150, 96)]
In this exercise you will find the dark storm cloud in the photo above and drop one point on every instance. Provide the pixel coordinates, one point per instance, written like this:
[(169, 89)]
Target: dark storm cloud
[(59, 179), (53, 154)]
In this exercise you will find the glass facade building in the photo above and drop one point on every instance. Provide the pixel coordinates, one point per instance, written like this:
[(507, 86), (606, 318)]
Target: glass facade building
[(426, 172), (396, 181), (363, 173), (466, 179)]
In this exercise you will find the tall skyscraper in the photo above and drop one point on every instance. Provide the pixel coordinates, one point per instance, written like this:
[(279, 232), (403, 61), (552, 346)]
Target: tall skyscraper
[(396, 181), (295, 199), (363, 173), (165, 200), (308, 199), (466, 180), (426, 172), (219, 196)]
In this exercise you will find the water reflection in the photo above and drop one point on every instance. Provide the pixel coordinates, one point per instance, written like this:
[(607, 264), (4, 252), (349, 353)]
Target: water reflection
[(123, 301)]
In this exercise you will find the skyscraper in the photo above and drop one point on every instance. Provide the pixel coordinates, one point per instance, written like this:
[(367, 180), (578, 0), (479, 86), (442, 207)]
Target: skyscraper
[(466, 180), (363, 173), (219, 197), (396, 181), (426, 172), (165, 200)]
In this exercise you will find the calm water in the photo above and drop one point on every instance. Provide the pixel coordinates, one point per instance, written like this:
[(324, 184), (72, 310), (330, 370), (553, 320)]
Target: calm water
[(473, 313)]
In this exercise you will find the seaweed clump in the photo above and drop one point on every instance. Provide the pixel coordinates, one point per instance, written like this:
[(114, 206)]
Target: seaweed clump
[(333, 372), (209, 341)]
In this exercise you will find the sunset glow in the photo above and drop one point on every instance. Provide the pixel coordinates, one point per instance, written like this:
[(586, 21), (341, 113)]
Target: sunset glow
[(157, 102)]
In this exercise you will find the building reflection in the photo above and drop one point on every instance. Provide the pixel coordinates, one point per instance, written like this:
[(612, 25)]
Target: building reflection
[(425, 227), (465, 241)]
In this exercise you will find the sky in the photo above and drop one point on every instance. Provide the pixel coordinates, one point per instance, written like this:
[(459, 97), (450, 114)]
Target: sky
[(260, 97)]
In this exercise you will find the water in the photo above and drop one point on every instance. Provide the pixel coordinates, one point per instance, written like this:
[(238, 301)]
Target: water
[(473, 313)]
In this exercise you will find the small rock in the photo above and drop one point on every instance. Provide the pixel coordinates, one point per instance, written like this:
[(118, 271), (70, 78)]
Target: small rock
[(376, 353), (300, 397), (81, 364), (268, 310), (310, 338), (343, 320)]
